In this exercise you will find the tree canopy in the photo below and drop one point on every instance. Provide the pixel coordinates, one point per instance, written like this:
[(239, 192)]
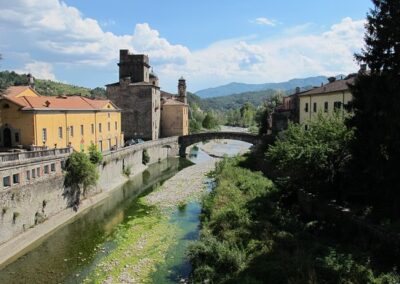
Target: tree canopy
[(376, 101)]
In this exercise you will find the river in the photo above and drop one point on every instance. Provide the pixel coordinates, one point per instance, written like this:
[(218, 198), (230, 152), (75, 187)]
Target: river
[(125, 236)]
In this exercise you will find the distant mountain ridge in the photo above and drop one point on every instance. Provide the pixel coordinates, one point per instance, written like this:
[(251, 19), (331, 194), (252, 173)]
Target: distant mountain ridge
[(237, 88)]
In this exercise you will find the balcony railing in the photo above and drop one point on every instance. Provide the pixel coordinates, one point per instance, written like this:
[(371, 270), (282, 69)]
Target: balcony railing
[(20, 156)]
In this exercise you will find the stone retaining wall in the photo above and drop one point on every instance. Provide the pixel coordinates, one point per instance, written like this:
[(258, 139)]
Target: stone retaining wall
[(23, 206)]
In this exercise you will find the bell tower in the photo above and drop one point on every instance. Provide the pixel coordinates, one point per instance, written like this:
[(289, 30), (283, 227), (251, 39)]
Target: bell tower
[(182, 90)]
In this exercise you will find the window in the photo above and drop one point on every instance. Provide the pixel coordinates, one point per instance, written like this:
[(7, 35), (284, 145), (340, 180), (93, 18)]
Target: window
[(116, 125), (15, 178), (28, 175), (71, 131), (100, 127), (63, 165), (6, 181), (6, 106), (306, 127), (92, 127), (60, 132), (46, 169), (306, 108), (109, 126), (53, 167), (101, 146), (315, 107), (337, 105), (33, 173), (44, 134), (108, 114), (38, 172), (82, 132), (16, 137), (326, 107)]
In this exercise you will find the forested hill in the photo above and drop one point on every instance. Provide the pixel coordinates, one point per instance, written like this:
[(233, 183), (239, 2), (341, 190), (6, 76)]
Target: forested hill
[(238, 88), (236, 101), (47, 87)]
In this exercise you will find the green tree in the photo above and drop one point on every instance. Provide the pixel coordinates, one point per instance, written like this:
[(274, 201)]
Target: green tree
[(95, 156), (98, 92), (247, 113), (376, 100), (210, 122), (80, 173), (263, 114), (313, 159)]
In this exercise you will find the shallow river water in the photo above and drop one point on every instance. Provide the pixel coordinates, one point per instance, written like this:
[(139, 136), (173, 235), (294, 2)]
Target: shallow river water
[(73, 252)]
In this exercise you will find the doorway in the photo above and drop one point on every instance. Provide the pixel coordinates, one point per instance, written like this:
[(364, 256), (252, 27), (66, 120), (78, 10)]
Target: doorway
[(7, 137)]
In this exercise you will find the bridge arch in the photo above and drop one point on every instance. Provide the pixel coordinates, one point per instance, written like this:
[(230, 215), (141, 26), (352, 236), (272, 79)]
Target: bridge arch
[(187, 140)]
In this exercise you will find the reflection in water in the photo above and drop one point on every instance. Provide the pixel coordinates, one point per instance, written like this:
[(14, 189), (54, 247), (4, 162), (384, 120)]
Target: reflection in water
[(73, 250)]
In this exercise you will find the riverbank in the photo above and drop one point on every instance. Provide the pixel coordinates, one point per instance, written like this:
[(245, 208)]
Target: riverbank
[(141, 238), (32, 238), (144, 243)]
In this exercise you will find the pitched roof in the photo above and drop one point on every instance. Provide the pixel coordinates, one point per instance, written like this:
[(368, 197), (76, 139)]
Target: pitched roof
[(14, 91), (336, 86), (54, 103)]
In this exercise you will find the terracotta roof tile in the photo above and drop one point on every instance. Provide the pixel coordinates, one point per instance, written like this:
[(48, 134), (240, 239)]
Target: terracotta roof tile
[(336, 86), (15, 90)]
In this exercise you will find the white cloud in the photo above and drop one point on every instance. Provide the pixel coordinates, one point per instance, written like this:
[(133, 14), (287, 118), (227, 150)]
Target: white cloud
[(55, 34), (264, 21), (41, 70)]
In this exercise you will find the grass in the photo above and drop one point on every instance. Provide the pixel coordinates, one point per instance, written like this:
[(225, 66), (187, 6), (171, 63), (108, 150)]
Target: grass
[(141, 244)]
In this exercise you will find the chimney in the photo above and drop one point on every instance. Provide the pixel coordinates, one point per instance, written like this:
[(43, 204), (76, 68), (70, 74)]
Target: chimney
[(31, 81)]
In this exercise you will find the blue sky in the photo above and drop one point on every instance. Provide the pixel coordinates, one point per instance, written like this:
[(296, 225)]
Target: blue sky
[(209, 42)]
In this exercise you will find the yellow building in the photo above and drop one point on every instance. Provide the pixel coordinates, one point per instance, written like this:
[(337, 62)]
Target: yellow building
[(326, 99), (174, 118), (29, 120)]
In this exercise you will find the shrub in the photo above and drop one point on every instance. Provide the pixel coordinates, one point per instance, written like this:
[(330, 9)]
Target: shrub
[(145, 157), (95, 156), (311, 159), (80, 172), (127, 171)]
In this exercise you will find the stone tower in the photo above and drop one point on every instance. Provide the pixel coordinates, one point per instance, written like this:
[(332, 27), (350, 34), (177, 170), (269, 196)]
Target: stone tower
[(134, 66), (182, 90), (138, 95)]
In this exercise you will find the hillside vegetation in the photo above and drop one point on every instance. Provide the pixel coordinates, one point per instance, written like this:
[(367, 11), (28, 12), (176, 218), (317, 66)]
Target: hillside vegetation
[(238, 88), (47, 87)]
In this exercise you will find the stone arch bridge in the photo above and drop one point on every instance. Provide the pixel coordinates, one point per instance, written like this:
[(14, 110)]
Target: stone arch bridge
[(187, 140)]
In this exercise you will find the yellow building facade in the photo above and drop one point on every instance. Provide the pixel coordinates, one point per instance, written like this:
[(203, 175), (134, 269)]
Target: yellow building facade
[(326, 99), (174, 118), (29, 120)]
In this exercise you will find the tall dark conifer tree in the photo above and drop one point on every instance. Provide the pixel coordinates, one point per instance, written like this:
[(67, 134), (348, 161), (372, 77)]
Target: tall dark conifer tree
[(376, 106)]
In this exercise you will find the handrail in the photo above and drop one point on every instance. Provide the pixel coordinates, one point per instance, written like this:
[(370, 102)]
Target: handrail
[(19, 156)]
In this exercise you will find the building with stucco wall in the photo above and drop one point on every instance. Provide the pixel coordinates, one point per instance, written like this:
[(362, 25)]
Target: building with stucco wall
[(326, 99)]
